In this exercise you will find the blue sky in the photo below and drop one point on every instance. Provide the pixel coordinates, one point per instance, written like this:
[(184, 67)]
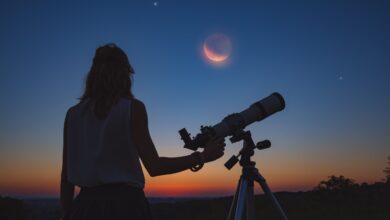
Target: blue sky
[(329, 59)]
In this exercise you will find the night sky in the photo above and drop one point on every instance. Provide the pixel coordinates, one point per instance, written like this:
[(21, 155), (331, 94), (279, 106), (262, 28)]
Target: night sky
[(329, 59)]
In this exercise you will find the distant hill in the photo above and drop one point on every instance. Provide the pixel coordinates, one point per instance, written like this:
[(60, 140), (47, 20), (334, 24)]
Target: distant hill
[(360, 202)]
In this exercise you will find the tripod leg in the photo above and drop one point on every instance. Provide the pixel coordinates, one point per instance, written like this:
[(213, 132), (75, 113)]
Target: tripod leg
[(250, 202), (267, 191), (232, 210), (241, 199)]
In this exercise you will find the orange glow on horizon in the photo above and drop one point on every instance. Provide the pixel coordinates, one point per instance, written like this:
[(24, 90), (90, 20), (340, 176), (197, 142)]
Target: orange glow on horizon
[(40, 178), (169, 189)]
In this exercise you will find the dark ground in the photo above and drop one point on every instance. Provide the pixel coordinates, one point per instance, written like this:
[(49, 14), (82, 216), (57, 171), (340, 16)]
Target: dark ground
[(361, 202)]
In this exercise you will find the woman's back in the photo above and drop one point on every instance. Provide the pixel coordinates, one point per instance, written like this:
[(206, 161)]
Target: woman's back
[(105, 136), (101, 150)]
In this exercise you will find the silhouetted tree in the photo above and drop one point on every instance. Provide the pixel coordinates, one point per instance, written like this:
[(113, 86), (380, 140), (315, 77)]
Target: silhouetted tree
[(387, 171), (336, 183)]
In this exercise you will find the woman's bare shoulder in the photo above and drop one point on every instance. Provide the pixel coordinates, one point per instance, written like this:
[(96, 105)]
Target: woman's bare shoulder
[(139, 115), (70, 109), (138, 105)]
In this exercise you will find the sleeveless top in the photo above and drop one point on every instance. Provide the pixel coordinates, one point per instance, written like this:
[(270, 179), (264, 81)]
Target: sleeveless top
[(101, 151)]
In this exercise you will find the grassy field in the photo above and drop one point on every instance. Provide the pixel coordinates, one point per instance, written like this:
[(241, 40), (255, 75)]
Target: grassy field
[(370, 202), (359, 202)]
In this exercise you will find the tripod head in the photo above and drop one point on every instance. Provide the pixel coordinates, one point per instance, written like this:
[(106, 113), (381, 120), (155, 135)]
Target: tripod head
[(247, 150), (244, 197)]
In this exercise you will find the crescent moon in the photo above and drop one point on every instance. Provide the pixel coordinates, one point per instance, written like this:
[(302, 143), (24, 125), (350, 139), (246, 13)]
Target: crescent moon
[(214, 56)]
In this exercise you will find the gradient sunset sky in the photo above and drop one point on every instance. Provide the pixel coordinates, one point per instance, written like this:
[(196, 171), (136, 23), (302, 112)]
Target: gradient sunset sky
[(329, 59)]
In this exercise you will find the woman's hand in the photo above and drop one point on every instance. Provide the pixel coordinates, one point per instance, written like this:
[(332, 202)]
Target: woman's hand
[(214, 149)]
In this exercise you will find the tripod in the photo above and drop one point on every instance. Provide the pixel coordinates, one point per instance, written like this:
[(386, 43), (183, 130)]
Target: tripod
[(244, 196)]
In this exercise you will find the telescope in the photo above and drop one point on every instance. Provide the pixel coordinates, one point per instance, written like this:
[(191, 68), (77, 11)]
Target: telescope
[(235, 122)]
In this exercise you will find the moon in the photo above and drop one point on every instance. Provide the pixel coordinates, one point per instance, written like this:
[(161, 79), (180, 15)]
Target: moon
[(211, 55), (217, 48)]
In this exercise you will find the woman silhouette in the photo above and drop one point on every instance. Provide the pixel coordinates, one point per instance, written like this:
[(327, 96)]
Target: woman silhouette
[(105, 135)]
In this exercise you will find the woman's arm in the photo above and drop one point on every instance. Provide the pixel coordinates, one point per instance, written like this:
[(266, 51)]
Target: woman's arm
[(156, 165), (67, 188)]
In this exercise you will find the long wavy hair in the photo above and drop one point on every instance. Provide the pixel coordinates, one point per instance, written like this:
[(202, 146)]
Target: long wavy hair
[(108, 80)]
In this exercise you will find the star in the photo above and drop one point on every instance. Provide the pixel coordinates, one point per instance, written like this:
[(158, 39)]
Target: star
[(155, 4), (341, 78)]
